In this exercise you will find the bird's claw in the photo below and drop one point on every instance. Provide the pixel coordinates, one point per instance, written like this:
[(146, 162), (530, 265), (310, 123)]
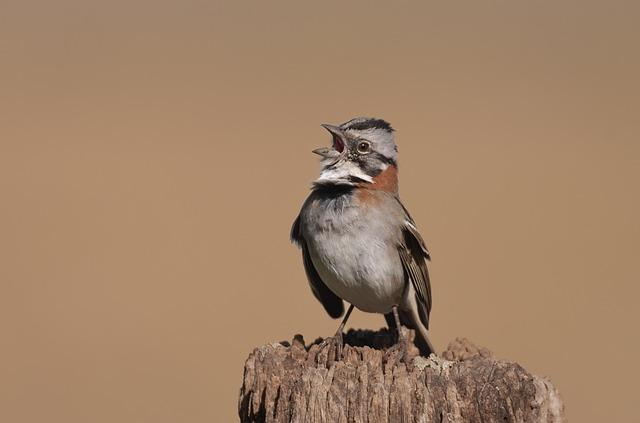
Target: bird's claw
[(401, 349), (338, 341)]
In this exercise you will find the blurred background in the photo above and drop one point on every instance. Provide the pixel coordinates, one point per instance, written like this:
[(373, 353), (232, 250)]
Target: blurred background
[(153, 156)]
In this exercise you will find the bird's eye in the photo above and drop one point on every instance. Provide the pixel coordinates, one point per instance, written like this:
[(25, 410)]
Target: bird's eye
[(364, 147)]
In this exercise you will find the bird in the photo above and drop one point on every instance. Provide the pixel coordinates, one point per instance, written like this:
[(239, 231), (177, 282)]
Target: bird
[(359, 243)]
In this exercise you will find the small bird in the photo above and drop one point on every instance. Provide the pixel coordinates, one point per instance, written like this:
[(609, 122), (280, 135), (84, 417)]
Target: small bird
[(359, 243)]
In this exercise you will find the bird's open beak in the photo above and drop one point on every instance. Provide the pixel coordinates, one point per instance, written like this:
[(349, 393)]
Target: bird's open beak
[(338, 144)]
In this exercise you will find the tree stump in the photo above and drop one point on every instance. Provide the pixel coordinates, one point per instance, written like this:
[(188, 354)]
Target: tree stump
[(303, 383)]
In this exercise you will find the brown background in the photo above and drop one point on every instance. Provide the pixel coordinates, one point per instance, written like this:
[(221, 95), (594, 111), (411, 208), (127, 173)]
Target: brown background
[(154, 155)]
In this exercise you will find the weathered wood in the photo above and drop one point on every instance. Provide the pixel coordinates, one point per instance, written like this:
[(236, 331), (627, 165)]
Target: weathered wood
[(298, 383)]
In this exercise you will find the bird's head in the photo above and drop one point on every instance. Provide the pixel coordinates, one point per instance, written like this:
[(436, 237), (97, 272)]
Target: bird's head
[(361, 149)]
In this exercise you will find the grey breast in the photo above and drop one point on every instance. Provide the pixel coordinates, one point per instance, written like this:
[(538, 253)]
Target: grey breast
[(354, 247)]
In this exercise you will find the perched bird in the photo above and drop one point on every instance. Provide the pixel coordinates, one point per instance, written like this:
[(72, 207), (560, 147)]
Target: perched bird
[(359, 243)]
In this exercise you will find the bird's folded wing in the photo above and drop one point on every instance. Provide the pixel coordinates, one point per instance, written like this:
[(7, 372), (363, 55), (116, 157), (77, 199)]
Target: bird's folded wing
[(414, 256), (330, 301)]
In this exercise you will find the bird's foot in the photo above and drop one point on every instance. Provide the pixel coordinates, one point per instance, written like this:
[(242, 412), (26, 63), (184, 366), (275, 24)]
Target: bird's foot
[(400, 350), (337, 342)]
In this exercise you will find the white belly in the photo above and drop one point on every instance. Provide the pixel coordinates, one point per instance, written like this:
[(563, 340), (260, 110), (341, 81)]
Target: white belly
[(359, 267)]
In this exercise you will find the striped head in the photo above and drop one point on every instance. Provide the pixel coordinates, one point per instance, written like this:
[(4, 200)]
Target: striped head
[(361, 150)]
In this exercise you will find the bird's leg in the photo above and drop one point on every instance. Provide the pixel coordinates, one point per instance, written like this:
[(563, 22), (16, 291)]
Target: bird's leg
[(338, 335), (401, 343), (337, 338), (396, 317)]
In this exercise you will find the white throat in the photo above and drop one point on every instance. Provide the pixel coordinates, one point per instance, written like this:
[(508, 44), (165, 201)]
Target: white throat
[(344, 173)]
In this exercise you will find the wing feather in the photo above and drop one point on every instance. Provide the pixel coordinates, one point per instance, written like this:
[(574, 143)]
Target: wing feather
[(414, 255)]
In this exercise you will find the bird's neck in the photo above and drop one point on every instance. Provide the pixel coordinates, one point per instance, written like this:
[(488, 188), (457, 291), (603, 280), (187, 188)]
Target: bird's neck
[(387, 180)]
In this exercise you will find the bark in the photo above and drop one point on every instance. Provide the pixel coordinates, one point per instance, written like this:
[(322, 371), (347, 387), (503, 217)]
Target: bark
[(296, 383)]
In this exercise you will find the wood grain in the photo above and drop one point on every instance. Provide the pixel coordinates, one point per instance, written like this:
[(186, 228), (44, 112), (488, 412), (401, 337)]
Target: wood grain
[(303, 383)]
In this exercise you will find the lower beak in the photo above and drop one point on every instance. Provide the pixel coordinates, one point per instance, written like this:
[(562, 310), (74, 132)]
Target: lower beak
[(326, 152)]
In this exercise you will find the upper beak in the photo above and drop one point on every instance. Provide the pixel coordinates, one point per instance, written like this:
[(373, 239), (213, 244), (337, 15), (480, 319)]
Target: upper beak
[(338, 143), (335, 130)]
